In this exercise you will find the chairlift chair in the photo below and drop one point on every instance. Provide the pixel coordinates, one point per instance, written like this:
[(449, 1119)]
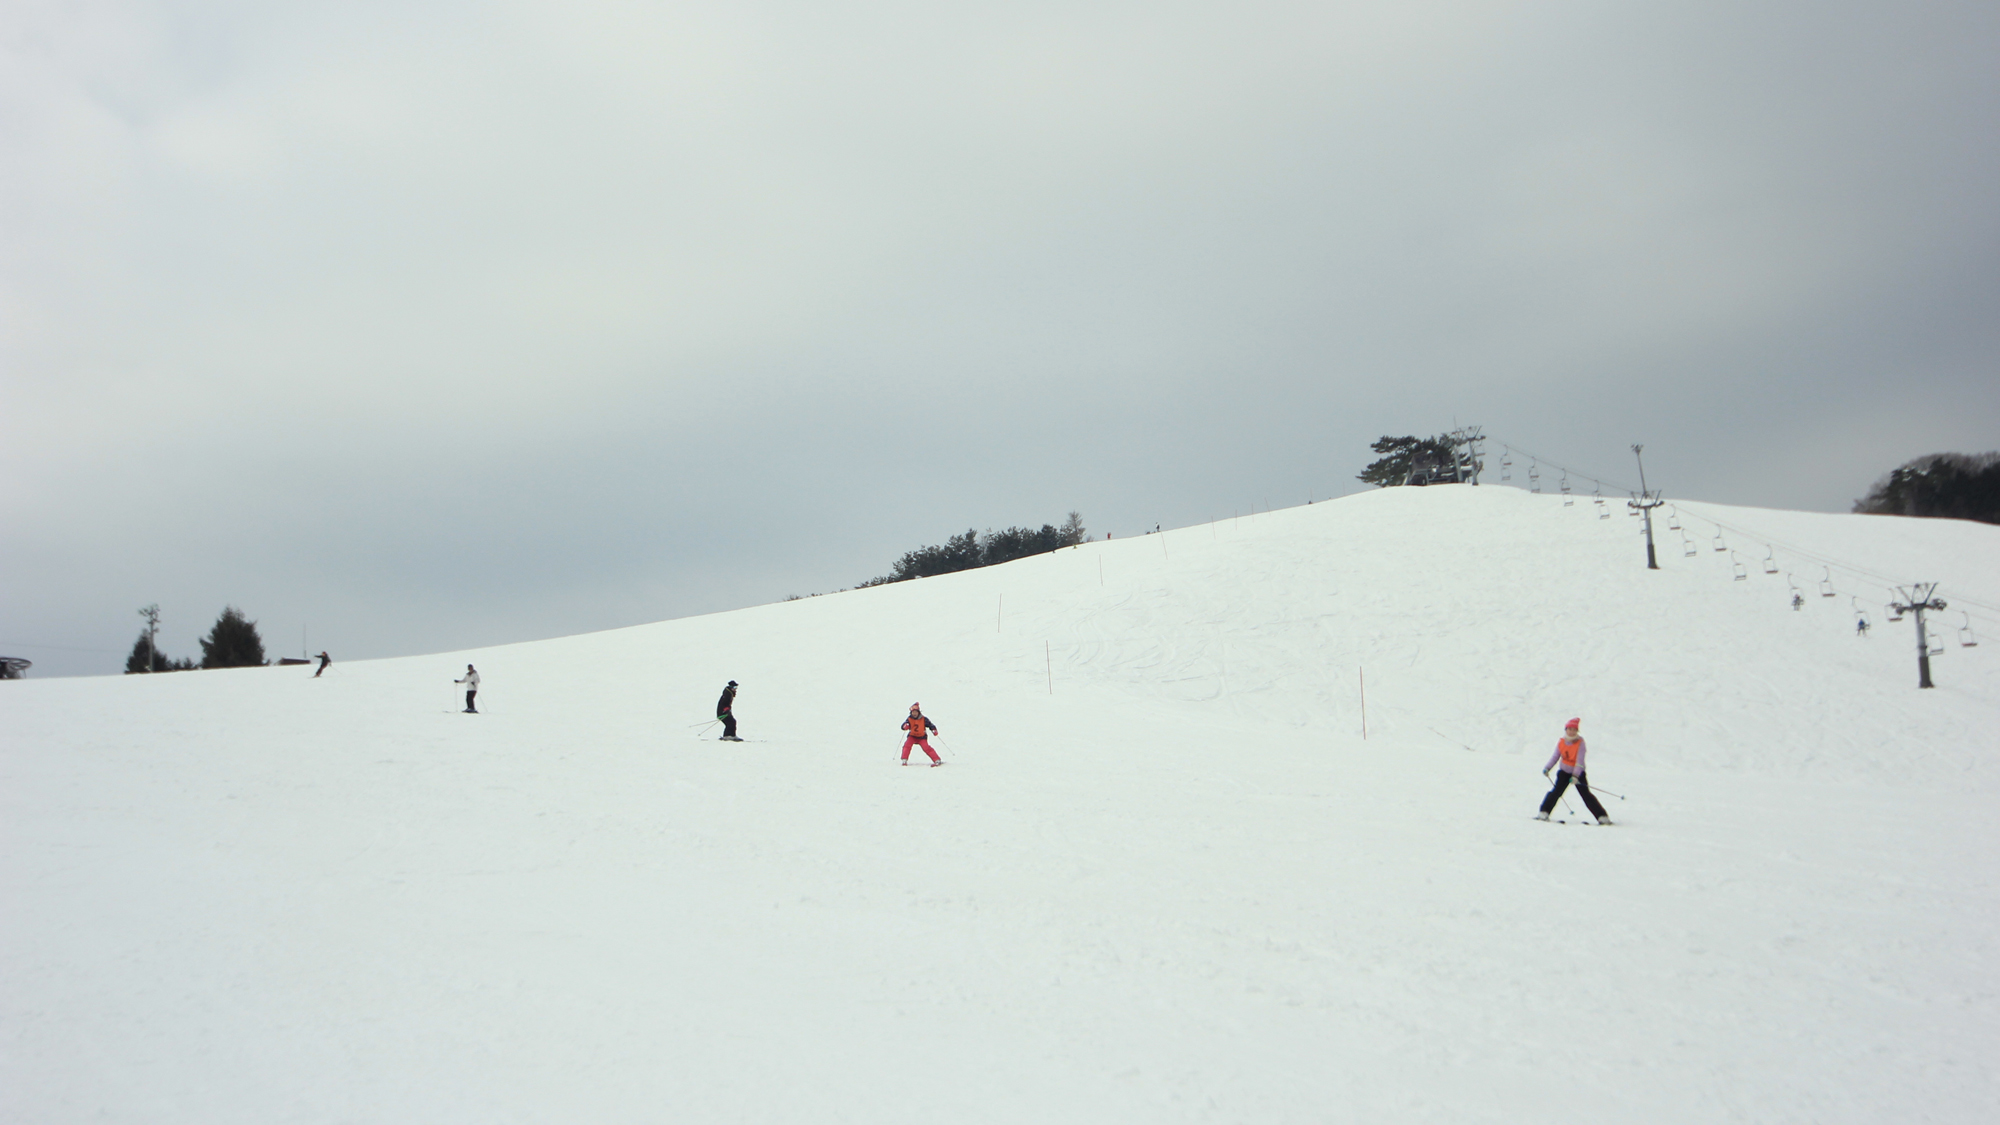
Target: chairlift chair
[(1965, 637), (1506, 466), (1935, 645), (1770, 561), (1673, 518), (1534, 476), (1720, 546), (1826, 584), (1860, 616), (1688, 548), (1568, 500), (1742, 572)]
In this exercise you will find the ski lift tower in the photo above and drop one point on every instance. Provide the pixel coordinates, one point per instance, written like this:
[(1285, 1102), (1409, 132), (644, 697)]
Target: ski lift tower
[(1465, 458), (1916, 599), (1643, 505)]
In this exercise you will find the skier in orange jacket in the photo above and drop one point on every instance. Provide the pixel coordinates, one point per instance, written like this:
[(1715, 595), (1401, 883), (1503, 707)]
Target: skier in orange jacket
[(919, 728), (1569, 753)]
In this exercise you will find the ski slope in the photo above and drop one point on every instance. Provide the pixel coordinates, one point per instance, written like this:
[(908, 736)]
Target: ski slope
[(1163, 876)]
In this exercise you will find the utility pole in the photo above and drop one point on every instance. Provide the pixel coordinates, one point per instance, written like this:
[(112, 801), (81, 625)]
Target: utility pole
[(152, 615), (1917, 599), (1645, 502)]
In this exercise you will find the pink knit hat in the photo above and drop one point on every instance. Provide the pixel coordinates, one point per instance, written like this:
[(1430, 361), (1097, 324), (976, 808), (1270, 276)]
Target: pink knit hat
[(1573, 724)]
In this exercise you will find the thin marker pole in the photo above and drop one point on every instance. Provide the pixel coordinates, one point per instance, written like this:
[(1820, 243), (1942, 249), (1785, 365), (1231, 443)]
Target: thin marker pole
[(996, 612), (1048, 665), (1100, 568), (1163, 544), (1363, 674)]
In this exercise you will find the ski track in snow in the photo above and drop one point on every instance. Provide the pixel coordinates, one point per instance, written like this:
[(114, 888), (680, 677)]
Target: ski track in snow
[(1179, 888)]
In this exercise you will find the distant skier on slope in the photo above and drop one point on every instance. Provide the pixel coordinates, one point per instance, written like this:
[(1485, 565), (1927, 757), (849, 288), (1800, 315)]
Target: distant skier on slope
[(471, 682), (723, 711), (920, 729), (1569, 752), (324, 661)]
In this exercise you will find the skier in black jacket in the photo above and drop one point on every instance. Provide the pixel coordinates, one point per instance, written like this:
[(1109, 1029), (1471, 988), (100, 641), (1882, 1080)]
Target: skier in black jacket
[(723, 712)]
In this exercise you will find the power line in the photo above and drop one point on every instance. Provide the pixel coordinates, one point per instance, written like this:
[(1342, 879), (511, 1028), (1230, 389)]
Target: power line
[(1536, 457)]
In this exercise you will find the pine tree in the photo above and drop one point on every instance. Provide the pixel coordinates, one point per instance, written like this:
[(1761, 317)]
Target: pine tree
[(143, 653), (1071, 533), (1402, 454), (233, 642)]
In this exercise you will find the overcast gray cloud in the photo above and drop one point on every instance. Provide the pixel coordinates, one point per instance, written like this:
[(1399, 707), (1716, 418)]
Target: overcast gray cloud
[(426, 325)]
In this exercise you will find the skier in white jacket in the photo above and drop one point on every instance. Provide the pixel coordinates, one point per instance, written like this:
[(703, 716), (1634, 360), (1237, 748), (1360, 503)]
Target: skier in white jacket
[(471, 682)]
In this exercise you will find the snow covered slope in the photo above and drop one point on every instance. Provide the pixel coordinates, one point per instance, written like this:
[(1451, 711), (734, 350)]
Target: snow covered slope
[(1163, 877)]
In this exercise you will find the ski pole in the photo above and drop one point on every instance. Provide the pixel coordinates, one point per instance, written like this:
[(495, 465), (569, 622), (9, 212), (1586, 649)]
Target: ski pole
[(705, 726), (1607, 792)]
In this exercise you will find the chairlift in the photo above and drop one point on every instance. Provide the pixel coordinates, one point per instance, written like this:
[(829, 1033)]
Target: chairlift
[(1770, 561), (1534, 476), (1720, 546), (1965, 637), (1742, 572), (1935, 645), (1895, 612), (1506, 466), (1603, 509), (1565, 482), (1673, 518), (1860, 616), (1688, 548), (1826, 584)]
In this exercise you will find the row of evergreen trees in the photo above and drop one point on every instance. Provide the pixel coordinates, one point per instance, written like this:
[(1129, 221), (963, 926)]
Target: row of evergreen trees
[(232, 642), (970, 550), (1946, 485), (1406, 457)]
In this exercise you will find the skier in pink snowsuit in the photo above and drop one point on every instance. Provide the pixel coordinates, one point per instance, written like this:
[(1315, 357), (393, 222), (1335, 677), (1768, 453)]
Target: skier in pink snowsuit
[(919, 728)]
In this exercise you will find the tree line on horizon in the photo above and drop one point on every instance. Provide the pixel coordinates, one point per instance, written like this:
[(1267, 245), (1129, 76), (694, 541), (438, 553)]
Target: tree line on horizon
[(972, 550), (232, 642), (1954, 486)]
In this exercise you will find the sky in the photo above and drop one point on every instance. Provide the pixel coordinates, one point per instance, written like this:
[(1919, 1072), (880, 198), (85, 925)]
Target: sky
[(422, 326)]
